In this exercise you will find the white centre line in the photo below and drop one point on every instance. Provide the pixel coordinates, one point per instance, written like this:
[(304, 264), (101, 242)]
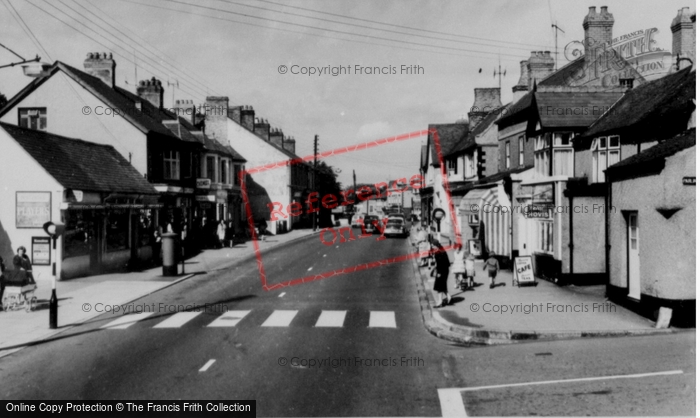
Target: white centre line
[(280, 319), (310, 268), (281, 294), (178, 320), (207, 365), (382, 319), (333, 319), (127, 320), (229, 319), (452, 404)]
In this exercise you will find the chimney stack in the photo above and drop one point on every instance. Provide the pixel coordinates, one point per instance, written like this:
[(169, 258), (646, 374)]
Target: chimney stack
[(152, 91), (248, 118), (597, 34), (235, 113), (101, 66), (290, 145), (486, 100), (186, 110), (277, 137), (520, 89), (216, 118), (683, 30), (262, 129), (540, 65)]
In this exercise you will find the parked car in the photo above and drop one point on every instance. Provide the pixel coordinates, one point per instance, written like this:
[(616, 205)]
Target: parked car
[(370, 221), (396, 227), (357, 219)]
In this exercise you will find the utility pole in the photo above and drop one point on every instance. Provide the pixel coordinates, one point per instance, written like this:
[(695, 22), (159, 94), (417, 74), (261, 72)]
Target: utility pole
[(557, 29), (499, 72), (315, 180)]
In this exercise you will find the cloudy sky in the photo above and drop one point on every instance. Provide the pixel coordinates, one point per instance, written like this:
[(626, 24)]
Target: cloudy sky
[(235, 48)]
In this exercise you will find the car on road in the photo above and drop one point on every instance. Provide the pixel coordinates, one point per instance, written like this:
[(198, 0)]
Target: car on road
[(396, 227), (357, 219), (370, 221)]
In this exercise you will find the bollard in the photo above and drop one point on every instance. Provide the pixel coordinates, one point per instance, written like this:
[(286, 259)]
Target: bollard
[(169, 254)]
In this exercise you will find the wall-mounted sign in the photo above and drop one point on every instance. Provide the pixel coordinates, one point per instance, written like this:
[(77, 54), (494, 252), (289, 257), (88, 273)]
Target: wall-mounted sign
[(523, 272), (203, 183), (33, 209), (475, 247), (41, 251), (689, 181), (205, 198), (538, 211)]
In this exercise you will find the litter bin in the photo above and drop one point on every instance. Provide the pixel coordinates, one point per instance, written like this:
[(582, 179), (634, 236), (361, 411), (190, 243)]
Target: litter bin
[(169, 254)]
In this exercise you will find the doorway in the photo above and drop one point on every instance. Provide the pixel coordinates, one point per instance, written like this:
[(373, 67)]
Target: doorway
[(633, 267)]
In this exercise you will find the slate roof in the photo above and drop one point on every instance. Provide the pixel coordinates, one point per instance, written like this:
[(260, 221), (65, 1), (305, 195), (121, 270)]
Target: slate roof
[(81, 165), (517, 111), (658, 109), (565, 74), (573, 109), (450, 135), (653, 159), (489, 180), (480, 128)]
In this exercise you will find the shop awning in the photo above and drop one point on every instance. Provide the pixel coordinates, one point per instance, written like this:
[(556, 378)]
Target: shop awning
[(471, 200)]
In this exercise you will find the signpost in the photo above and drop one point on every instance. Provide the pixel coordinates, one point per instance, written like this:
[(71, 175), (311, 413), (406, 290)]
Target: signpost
[(523, 272), (54, 230)]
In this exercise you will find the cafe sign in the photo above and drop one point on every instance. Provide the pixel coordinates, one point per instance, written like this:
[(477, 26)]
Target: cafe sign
[(32, 209)]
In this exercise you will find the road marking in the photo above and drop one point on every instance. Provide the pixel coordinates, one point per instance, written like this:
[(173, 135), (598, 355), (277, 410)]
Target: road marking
[(229, 319), (207, 365), (310, 268), (178, 320), (331, 319), (280, 319), (127, 320), (324, 255), (382, 319), (281, 294), (452, 404)]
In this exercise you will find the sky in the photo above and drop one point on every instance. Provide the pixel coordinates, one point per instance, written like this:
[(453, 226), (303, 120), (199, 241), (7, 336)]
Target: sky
[(235, 48)]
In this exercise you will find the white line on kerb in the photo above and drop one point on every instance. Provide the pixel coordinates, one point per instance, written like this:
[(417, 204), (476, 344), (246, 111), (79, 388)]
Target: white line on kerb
[(451, 398), (207, 365)]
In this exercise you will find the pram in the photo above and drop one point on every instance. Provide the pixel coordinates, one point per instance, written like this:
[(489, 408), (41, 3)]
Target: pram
[(19, 291), (426, 258)]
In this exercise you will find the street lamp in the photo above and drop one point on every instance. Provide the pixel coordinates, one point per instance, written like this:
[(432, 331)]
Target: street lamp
[(53, 230), (32, 68), (438, 215)]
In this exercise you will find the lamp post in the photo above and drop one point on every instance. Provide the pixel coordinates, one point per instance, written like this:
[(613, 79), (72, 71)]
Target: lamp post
[(54, 230)]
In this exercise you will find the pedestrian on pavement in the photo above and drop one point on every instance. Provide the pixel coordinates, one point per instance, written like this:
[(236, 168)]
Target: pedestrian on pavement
[(229, 234), (220, 234), (470, 267), (458, 266), (441, 272), (157, 244), (492, 265), (22, 260)]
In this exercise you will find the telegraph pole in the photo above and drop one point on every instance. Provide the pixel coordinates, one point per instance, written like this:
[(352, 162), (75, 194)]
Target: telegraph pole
[(315, 180)]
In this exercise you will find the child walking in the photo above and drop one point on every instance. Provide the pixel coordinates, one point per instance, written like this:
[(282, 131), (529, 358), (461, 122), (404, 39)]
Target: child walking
[(492, 265), (470, 267), (458, 268)]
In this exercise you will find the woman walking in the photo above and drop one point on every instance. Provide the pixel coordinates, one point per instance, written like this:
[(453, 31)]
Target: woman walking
[(441, 271), (220, 234)]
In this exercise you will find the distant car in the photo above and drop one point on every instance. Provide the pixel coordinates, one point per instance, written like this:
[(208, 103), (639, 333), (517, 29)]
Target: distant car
[(370, 221), (357, 219), (396, 227)]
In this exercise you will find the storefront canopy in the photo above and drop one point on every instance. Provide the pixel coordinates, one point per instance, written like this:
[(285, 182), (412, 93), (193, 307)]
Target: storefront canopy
[(472, 199)]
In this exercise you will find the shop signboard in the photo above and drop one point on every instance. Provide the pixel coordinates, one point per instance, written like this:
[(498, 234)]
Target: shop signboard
[(203, 183), (41, 251), (523, 272), (33, 209)]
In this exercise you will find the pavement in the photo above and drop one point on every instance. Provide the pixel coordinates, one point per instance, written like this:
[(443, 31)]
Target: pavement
[(508, 313), (82, 299)]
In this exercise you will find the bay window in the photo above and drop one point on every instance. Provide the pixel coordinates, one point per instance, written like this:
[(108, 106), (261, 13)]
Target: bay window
[(606, 152), (470, 169), (211, 168), (543, 144), (171, 165), (236, 174), (452, 166), (224, 173), (563, 155)]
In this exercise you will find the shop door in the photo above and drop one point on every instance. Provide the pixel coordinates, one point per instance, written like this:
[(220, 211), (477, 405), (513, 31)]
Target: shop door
[(633, 274)]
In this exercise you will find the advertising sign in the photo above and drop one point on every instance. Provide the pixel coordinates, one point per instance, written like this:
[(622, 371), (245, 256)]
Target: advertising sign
[(203, 183), (41, 251), (475, 247), (523, 272), (33, 209)]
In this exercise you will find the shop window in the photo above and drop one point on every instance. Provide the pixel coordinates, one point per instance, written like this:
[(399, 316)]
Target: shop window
[(171, 165), (545, 236), (79, 233), (117, 230), (606, 152), (507, 154), (146, 229), (33, 118), (211, 168)]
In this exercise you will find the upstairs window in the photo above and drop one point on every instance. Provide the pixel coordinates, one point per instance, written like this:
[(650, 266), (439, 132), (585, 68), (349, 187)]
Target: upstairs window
[(33, 118), (211, 168), (171, 165), (606, 152), (471, 167), (236, 174), (543, 145), (224, 173), (563, 154), (452, 166), (507, 155), (521, 150)]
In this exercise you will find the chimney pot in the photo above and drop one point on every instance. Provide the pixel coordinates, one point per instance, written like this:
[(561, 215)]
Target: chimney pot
[(100, 66)]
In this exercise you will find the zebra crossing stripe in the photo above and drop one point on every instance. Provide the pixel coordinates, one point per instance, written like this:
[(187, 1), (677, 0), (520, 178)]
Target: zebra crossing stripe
[(382, 319), (178, 320), (126, 321), (280, 319), (229, 319), (331, 319)]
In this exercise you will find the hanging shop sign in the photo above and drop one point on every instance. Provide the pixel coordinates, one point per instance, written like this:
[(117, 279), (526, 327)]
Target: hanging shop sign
[(33, 209)]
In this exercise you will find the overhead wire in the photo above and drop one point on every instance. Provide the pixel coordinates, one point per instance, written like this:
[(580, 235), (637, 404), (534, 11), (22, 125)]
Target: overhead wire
[(27, 30)]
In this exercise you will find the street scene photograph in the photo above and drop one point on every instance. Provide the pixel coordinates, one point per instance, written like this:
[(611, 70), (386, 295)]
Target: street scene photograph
[(309, 208)]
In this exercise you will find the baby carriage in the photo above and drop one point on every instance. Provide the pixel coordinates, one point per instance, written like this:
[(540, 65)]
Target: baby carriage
[(19, 291)]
